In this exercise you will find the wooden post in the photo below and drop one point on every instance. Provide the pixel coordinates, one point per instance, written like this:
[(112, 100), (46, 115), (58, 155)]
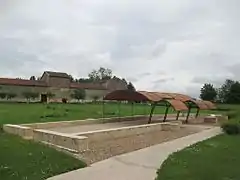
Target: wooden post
[(178, 115), (197, 113), (166, 112), (189, 110), (151, 113)]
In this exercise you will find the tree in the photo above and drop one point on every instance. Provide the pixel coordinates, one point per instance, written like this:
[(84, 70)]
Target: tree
[(233, 96), (224, 90), (131, 87), (33, 78), (84, 80), (27, 95), (11, 95), (95, 98), (78, 94), (30, 95), (100, 74), (3, 95), (208, 92)]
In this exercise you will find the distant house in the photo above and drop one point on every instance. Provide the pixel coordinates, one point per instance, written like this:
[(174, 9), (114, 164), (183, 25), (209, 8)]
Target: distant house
[(59, 84)]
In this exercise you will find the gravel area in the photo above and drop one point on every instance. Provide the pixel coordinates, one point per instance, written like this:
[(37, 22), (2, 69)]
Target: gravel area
[(101, 150)]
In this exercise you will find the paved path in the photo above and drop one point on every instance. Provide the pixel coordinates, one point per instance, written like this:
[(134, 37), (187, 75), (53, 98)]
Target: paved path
[(140, 165)]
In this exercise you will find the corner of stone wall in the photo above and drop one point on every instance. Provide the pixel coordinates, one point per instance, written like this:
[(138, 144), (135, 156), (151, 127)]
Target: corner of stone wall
[(25, 132)]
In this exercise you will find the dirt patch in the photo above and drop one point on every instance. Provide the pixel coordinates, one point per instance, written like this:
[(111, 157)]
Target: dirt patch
[(100, 150)]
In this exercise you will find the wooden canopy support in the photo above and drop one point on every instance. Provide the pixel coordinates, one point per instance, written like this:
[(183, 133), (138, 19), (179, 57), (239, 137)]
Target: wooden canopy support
[(179, 102), (188, 113), (151, 112), (166, 112), (177, 115), (197, 113)]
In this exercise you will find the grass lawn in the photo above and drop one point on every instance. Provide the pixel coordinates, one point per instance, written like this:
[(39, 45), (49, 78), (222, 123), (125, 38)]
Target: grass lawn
[(18, 113), (23, 160), (215, 159)]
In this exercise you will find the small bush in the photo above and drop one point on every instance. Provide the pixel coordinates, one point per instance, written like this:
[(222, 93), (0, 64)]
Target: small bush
[(64, 100), (231, 128)]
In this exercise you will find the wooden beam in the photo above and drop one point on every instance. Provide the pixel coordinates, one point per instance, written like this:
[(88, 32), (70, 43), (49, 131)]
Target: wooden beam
[(197, 113), (166, 112), (178, 115), (189, 110), (151, 112)]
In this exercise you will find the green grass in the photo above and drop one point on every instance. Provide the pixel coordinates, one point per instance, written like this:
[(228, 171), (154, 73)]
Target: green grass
[(31, 113), (215, 159), (22, 160)]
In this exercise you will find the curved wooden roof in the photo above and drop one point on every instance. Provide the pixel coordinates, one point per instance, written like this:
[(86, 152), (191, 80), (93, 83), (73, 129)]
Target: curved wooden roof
[(176, 100), (210, 105)]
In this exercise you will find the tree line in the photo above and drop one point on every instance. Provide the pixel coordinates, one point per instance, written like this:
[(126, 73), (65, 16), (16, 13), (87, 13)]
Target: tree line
[(229, 92)]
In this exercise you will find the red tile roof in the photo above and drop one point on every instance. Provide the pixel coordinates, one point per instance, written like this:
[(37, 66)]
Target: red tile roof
[(21, 82), (87, 86)]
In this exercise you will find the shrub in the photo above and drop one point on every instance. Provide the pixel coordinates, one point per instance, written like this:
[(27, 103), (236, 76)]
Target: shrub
[(11, 95), (231, 128), (64, 100), (3, 95)]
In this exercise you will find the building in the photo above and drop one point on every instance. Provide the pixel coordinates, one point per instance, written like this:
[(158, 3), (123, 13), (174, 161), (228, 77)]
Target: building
[(59, 84)]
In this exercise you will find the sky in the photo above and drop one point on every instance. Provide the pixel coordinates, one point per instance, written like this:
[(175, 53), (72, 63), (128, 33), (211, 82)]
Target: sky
[(159, 45)]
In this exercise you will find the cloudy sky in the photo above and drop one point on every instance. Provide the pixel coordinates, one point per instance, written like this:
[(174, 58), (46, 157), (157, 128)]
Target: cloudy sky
[(160, 45)]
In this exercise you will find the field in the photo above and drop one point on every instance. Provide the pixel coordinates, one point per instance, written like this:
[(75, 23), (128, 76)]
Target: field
[(21, 160), (30, 113), (216, 159)]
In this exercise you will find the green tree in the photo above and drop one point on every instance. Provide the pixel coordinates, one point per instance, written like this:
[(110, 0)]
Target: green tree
[(95, 98), (27, 95), (131, 87), (3, 95), (233, 96), (30, 95), (100, 74), (78, 94), (11, 95), (208, 92), (224, 90)]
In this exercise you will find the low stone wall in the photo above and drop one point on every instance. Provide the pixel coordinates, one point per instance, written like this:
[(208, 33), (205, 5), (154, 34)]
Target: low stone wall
[(80, 141), (77, 143), (25, 132), (208, 119)]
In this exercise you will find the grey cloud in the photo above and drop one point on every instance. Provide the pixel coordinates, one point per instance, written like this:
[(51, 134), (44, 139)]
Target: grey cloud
[(163, 80), (216, 81), (144, 74), (171, 38), (235, 71), (132, 79)]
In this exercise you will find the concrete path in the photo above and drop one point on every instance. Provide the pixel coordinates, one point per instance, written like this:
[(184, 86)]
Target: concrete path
[(140, 165)]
